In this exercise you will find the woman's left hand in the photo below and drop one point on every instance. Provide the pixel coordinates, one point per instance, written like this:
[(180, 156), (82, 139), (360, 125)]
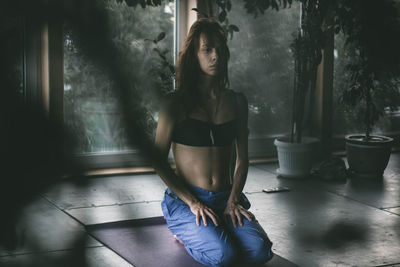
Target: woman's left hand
[(235, 211)]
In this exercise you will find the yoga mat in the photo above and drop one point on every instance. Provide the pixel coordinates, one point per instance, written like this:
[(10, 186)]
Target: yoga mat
[(143, 243), (149, 243)]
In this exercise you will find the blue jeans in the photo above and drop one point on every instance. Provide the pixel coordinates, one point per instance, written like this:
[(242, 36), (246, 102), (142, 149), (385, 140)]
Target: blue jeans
[(216, 246)]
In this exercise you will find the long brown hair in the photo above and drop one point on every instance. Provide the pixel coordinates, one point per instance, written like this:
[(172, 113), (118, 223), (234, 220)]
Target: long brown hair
[(188, 67)]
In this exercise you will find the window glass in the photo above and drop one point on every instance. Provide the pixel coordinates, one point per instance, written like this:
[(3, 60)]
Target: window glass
[(348, 120), (262, 66), (91, 108), (12, 36)]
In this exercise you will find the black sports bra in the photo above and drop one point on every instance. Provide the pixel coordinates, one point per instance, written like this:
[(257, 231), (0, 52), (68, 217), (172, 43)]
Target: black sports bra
[(194, 132)]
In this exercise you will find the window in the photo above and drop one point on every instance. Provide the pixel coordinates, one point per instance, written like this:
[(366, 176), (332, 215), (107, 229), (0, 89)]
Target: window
[(262, 67), (12, 36), (346, 121), (91, 108)]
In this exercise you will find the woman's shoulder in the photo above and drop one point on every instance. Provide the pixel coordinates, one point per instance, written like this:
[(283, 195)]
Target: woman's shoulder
[(171, 99), (172, 103), (239, 97), (240, 103)]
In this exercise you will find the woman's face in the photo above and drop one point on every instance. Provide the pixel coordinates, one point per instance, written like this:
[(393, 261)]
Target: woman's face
[(208, 56)]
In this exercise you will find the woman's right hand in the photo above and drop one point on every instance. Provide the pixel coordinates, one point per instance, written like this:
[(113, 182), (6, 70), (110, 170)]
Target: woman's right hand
[(201, 210)]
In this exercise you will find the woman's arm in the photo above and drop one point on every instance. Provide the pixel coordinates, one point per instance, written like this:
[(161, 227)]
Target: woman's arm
[(166, 121), (234, 209)]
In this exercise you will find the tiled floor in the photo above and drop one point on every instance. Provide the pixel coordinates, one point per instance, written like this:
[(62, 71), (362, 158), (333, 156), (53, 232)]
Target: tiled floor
[(317, 223)]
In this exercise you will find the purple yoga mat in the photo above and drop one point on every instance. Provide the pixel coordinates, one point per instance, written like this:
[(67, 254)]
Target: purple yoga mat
[(149, 243), (143, 243)]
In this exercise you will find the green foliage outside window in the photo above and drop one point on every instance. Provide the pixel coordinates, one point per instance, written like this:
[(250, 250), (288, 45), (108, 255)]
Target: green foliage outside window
[(91, 109), (349, 119), (261, 66)]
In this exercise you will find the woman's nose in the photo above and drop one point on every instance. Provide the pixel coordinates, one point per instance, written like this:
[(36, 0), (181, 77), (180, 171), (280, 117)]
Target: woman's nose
[(214, 55)]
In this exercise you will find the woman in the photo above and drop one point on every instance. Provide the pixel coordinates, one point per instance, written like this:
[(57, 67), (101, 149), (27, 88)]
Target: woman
[(203, 121)]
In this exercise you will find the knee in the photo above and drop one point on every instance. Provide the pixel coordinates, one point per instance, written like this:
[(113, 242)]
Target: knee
[(222, 255), (260, 252)]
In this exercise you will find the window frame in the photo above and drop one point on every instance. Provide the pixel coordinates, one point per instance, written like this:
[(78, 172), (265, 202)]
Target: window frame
[(101, 160), (36, 74), (260, 147)]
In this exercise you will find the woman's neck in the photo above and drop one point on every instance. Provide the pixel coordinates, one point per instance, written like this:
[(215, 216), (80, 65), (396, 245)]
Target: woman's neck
[(208, 86)]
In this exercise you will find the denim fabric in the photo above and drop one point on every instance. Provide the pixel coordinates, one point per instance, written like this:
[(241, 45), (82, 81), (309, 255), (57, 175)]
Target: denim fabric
[(216, 246)]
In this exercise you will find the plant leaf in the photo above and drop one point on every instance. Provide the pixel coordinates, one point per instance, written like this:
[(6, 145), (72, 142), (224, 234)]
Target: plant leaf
[(157, 50), (222, 16), (233, 28), (228, 5), (160, 36)]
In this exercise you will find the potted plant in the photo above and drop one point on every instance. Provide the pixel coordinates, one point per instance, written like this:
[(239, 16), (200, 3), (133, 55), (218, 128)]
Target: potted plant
[(296, 153), (371, 29)]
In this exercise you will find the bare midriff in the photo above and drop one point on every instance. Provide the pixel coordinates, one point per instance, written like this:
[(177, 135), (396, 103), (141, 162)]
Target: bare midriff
[(204, 167)]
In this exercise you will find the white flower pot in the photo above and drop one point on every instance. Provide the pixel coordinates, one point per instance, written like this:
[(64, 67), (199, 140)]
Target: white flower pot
[(296, 159)]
